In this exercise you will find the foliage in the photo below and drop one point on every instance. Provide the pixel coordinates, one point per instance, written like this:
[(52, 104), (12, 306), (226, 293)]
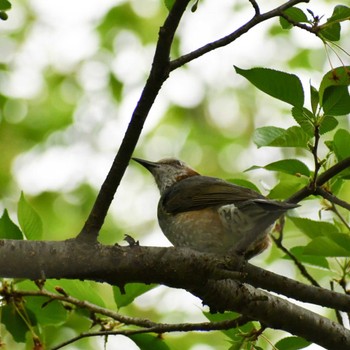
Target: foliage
[(65, 129)]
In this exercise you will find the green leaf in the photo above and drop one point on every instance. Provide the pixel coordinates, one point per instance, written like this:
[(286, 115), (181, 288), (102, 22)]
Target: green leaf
[(8, 230), (235, 334), (340, 13), (52, 313), (328, 123), (149, 342), (14, 323), (330, 32), (292, 343), (266, 135), (132, 291), (169, 4), (289, 166), (29, 220), (311, 260), (116, 87), (292, 137), (315, 99), (305, 119), (331, 29), (339, 76), (287, 186), (295, 14), (278, 137), (283, 86), (83, 290), (335, 245), (341, 142), (3, 15), (336, 185), (5, 5), (313, 228), (336, 100), (244, 183)]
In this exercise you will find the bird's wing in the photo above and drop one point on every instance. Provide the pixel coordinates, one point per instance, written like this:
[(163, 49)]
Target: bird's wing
[(199, 192)]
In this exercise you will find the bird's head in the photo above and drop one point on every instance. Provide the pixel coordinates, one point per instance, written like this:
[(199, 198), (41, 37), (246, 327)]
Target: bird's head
[(167, 172)]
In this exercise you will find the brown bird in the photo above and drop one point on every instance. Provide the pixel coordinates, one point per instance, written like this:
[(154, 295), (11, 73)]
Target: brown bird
[(211, 215)]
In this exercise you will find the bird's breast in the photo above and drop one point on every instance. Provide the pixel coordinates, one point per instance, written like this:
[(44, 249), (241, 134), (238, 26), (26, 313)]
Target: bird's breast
[(202, 230)]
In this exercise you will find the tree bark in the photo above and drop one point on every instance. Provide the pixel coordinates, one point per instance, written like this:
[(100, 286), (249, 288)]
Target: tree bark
[(221, 282)]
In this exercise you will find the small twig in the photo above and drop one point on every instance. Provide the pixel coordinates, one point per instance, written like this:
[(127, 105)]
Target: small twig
[(255, 6), (278, 241), (332, 198), (142, 322), (310, 29), (314, 150), (341, 218), (164, 328), (298, 264)]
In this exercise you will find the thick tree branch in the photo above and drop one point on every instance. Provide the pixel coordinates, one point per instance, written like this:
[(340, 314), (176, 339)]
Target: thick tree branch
[(268, 309), (204, 275), (159, 73), (175, 267)]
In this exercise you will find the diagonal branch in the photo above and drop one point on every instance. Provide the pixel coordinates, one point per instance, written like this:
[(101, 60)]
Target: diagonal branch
[(257, 19), (308, 28), (332, 198), (159, 73), (302, 269), (320, 181)]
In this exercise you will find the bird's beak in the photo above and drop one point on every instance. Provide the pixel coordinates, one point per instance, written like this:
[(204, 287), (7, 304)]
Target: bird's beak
[(146, 163)]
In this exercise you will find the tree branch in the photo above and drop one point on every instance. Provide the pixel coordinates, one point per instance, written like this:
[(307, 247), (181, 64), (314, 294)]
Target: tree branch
[(268, 309), (147, 325), (279, 243), (320, 181), (159, 73), (332, 198), (163, 328), (174, 267), (310, 29), (207, 276), (234, 35), (255, 7)]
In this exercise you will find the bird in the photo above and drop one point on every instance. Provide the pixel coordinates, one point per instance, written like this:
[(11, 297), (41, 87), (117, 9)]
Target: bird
[(209, 214)]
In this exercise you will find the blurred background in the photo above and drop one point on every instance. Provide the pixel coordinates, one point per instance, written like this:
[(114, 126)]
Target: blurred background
[(71, 74)]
